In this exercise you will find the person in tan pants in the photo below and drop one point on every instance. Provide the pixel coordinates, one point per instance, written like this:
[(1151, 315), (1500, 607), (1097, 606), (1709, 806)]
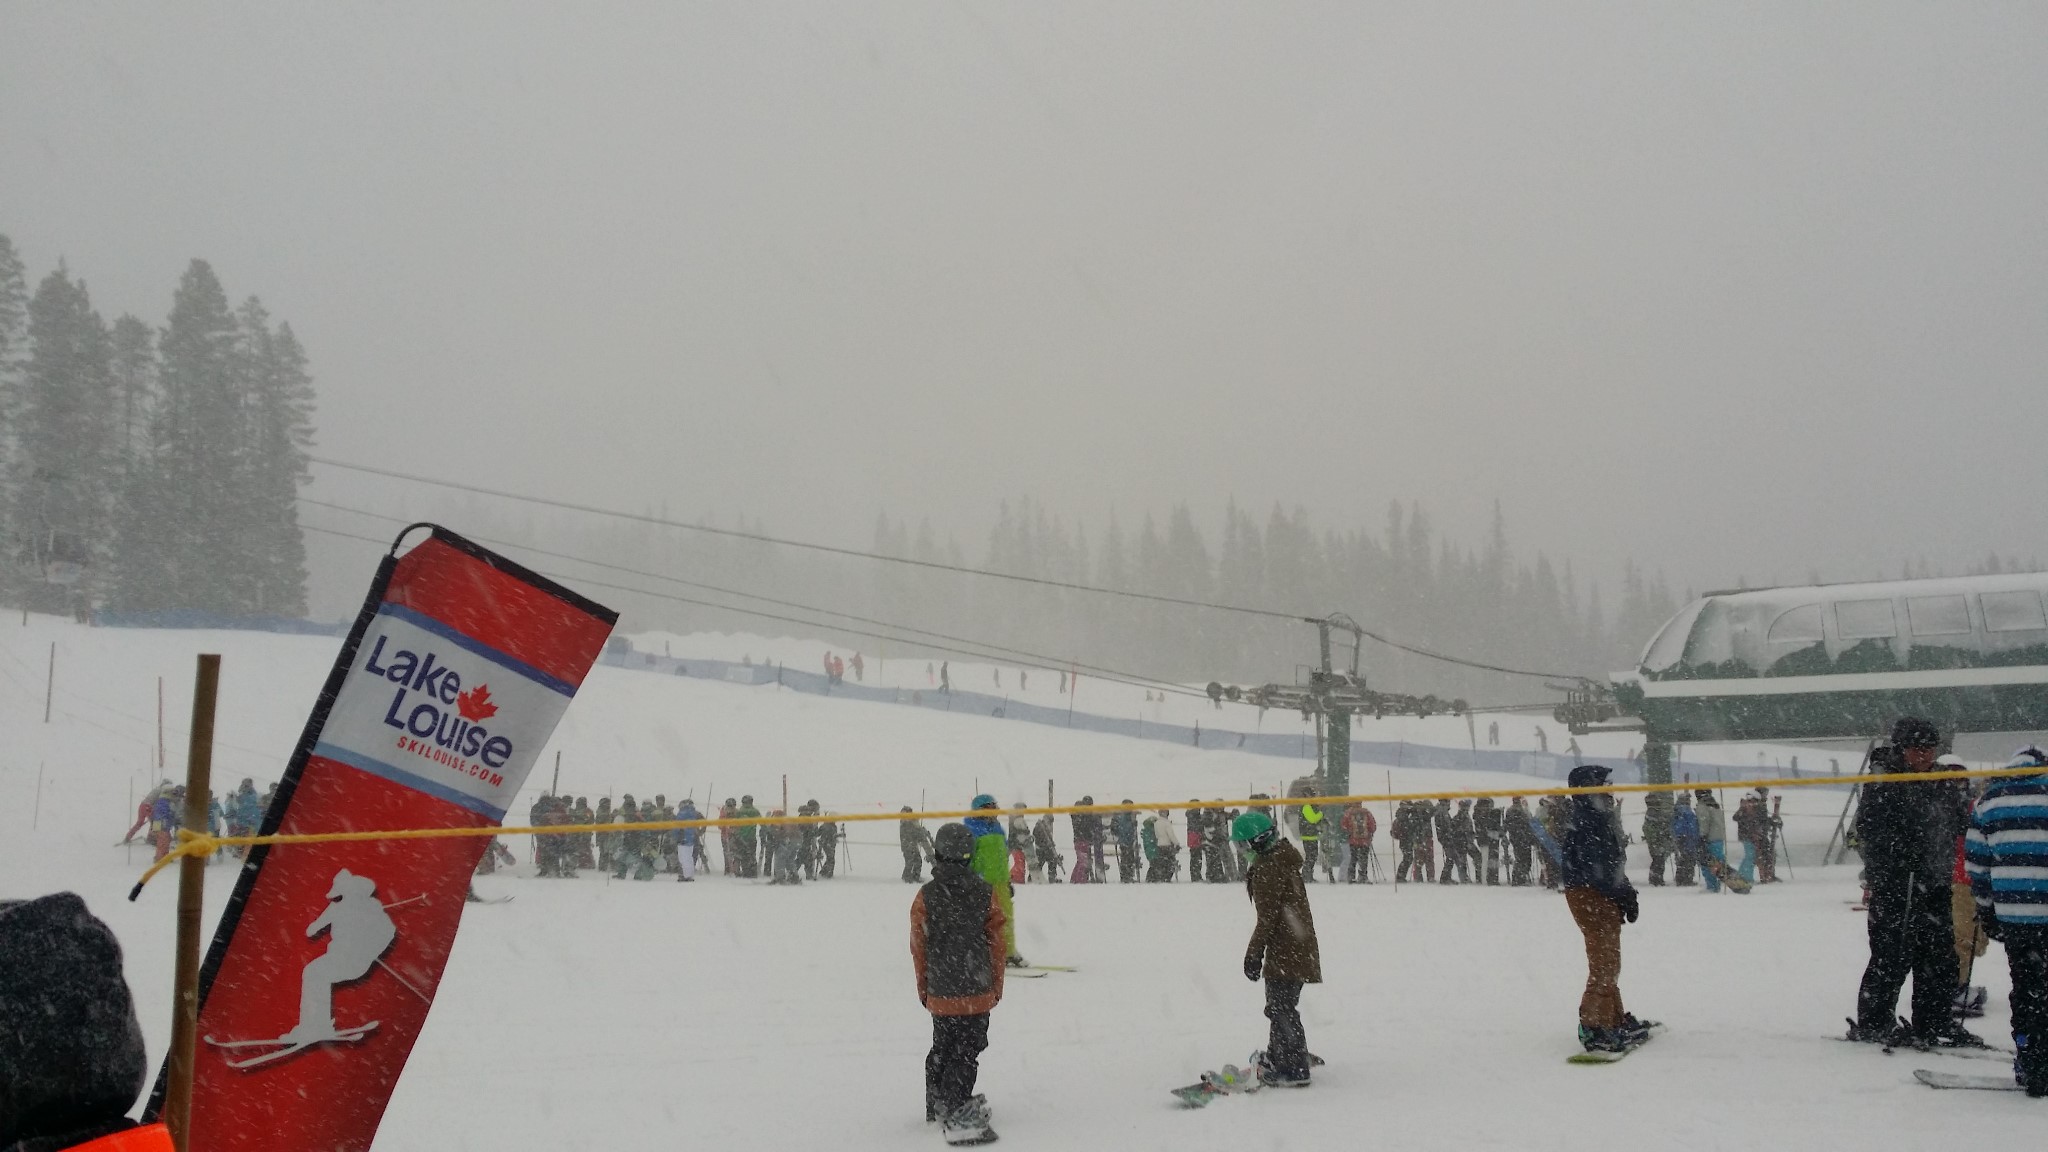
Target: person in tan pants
[(1596, 887)]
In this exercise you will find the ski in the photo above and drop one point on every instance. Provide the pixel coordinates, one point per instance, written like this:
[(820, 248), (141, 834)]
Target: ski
[(1979, 1083), (493, 900), (282, 1047), (1049, 968)]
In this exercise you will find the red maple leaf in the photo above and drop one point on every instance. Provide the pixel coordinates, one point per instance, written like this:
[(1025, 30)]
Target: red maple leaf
[(475, 704)]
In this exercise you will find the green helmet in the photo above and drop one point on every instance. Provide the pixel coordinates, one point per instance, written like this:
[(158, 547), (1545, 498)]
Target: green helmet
[(1250, 827)]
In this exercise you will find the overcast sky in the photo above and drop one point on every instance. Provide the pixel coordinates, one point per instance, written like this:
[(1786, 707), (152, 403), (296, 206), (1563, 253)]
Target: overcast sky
[(1739, 290)]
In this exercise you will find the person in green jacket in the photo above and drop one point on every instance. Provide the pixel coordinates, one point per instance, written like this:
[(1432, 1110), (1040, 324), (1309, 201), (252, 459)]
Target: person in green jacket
[(992, 863), (746, 835)]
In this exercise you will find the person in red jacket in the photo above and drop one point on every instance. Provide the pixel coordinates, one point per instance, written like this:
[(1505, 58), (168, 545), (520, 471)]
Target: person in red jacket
[(1358, 826)]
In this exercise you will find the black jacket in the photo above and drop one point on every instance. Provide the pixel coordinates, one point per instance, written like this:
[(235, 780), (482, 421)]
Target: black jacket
[(1594, 856), (1909, 829)]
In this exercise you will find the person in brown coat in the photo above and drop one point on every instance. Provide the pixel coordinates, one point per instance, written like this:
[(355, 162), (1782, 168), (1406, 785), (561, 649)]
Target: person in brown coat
[(957, 948), (1283, 947)]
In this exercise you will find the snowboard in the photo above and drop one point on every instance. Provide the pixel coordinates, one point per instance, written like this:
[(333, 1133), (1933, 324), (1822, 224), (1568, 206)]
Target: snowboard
[(1653, 1027), (1229, 1081), (1980, 1083), (1720, 870)]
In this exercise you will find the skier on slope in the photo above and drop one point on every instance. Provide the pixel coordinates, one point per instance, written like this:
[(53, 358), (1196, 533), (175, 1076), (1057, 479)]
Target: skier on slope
[(992, 863), (1283, 949), (2008, 853), (1907, 830), (1594, 875), (917, 847), (957, 933)]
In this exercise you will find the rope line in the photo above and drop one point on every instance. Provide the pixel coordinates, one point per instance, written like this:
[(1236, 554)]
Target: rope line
[(192, 843)]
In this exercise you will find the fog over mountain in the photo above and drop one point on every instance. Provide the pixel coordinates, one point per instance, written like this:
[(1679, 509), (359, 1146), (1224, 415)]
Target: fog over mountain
[(1737, 293)]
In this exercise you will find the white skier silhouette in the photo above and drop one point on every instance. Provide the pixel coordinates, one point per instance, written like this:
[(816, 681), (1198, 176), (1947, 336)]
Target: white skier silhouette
[(359, 932)]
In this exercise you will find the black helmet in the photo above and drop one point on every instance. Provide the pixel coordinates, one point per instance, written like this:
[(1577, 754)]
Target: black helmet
[(1086, 800), (746, 799), (1913, 732), (1588, 776), (954, 844), (906, 807)]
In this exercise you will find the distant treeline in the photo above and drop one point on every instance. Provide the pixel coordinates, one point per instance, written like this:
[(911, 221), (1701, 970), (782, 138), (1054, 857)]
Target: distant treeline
[(146, 468), (1403, 580)]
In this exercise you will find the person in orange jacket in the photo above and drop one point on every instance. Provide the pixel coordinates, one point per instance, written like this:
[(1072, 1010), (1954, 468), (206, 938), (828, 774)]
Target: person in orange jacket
[(958, 951), (71, 1057)]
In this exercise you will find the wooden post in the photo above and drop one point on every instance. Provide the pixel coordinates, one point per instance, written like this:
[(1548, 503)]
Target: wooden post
[(1048, 792), (191, 888), (1395, 849), (555, 789), (50, 682)]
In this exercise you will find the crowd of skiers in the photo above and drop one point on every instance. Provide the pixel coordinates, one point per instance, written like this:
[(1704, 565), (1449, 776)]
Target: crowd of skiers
[(162, 812), (1146, 846), (785, 853), (1482, 842)]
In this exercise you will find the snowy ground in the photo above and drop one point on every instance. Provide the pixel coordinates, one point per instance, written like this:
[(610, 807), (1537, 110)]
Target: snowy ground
[(594, 1014)]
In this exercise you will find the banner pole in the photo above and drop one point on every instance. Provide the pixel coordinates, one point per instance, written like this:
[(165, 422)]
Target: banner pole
[(191, 889)]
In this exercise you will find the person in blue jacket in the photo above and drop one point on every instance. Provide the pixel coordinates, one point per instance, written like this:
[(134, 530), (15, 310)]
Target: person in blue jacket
[(686, 860), (1593, 873), (1685, 830)]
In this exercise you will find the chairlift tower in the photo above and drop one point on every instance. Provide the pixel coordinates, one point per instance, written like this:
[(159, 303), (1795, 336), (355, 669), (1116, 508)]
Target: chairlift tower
[(1332, 696)]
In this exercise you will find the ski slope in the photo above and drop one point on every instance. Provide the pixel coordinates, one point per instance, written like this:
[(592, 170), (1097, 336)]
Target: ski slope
[(594, 1014)]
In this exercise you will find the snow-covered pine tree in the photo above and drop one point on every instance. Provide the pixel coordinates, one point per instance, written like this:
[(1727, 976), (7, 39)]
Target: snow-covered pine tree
[(278, 405), (13, 354), (178, 541), (62, 498)]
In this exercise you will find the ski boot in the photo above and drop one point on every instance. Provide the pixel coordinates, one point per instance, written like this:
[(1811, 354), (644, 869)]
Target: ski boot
[(1016, 961), (1270, 1077), (1889, 1035), (1969, 1002), (1603, 1039), (969, 1123), (2030, 1065), (1948, 1034)]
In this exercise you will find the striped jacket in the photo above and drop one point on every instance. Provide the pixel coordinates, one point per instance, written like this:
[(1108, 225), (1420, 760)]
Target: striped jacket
[(2006, 854)]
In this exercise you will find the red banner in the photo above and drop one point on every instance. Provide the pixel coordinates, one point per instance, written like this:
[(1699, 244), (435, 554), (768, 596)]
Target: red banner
[(328, 955)]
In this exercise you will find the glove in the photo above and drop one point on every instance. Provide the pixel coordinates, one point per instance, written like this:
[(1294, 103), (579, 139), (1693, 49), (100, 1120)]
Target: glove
[(1253, 966), (1987, 922), (1629, 909)]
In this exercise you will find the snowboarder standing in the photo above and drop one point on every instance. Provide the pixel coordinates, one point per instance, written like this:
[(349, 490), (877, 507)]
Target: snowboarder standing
[(2008, 848), (1283, 949), (1595, 880), (1907, 832), (992, 864), (1658, 835), (957, 946), (745, 836)]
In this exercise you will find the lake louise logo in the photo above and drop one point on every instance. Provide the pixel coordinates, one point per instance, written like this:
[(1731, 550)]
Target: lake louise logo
[(438, 718)]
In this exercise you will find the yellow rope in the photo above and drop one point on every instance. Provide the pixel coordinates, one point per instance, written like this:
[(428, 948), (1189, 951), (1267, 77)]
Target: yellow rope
[(192, 843)]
